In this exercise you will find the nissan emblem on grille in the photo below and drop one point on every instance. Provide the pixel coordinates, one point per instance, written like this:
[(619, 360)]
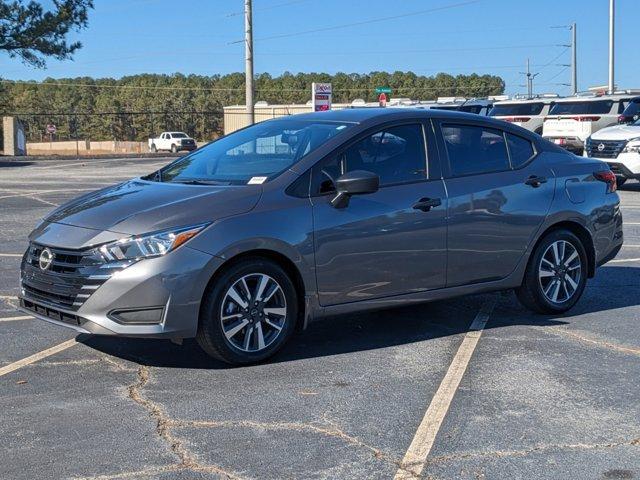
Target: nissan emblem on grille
[(46, 257), (601, 147)]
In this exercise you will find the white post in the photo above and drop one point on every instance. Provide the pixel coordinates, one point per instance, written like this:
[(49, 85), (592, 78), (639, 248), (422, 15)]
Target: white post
[(612, 14), (248, 57), (574, 59)]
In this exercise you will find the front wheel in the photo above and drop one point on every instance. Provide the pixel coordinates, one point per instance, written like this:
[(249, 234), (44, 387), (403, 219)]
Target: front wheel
[(249, 313), (556, 274), (174, 149)]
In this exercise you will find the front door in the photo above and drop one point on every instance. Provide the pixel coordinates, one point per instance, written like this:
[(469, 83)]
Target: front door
[(499, 194), (387, 243)]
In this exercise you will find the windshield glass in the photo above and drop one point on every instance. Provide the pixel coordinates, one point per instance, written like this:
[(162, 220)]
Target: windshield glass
[(581, 108), (252, 155), (516, 109), (632, 109)]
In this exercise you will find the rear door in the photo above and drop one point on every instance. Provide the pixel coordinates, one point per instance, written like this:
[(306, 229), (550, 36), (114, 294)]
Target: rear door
[(390, 242), (499, 193)]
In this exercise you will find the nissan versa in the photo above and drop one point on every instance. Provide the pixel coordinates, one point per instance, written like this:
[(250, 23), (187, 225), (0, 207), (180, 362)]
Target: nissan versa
[(293, 219)]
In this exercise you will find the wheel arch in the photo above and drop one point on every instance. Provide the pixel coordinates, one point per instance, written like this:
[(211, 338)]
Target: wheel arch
[(579, 231), (281, 260)]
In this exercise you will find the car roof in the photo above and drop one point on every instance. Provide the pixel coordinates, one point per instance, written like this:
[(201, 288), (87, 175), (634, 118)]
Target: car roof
[(362, 115), (514, 101), (594, 98)]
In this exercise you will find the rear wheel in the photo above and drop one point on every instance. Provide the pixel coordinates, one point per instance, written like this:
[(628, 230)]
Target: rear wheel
[(249, 313), (556, 274), (154, 149)]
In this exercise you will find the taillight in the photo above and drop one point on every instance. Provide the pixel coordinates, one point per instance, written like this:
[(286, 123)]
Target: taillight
[(608, 177), (621, 118)]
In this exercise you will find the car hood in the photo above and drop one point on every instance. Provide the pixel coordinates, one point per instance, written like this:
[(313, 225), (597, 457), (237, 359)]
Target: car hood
[(617, 132), (138, 206)]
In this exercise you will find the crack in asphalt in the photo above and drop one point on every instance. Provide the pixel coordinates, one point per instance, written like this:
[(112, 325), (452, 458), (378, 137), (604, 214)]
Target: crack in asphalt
[(595, 341), (528, 451), (186, 459)]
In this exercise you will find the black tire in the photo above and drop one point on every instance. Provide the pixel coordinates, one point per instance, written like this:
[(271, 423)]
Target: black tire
[(211, 336), (154, 149), (174, 149), (531, 293), (620, 181)]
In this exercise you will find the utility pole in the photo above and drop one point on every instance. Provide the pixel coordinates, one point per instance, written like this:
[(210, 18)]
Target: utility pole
[(612, 14), (248, 60), (530, 76), (574, 59)]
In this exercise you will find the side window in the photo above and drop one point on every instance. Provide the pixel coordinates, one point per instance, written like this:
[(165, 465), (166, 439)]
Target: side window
[(474, 150), (396, 155), (520, 150)]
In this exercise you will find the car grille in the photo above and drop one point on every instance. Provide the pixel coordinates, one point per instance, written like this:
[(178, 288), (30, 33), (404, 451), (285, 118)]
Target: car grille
[(611, 149), (52, 313), (68, 282)]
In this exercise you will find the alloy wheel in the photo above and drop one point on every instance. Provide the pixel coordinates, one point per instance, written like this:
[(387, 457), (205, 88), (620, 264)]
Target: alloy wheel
[(253, 312), (559, 271)]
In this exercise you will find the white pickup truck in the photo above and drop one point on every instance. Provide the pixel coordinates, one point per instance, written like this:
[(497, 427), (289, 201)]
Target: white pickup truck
[(172, 141)]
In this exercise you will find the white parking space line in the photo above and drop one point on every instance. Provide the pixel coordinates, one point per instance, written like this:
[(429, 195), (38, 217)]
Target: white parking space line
[(631, 246), (11, 255), (12, 367), (416, 457), (622, 260), (14, 319)]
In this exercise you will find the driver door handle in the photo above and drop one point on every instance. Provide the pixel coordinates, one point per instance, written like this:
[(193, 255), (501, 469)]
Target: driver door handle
[(535, 181), (426, 204)]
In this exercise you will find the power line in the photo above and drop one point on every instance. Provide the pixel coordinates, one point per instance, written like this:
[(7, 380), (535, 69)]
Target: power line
[(364, 22)]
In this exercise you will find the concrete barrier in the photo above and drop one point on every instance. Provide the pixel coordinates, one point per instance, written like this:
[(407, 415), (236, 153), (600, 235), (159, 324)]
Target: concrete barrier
[(85, 147)]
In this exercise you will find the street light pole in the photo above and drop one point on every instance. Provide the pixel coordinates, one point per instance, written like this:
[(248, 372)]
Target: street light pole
[(612, 14), (248, 60), (574, 59)]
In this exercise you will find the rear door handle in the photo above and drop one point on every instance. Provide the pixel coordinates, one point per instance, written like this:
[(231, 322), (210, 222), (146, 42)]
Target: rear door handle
[(535, 181), (426, 204)]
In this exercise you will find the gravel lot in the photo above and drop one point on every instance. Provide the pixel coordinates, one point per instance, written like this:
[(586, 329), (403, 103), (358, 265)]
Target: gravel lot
[(541, 397)]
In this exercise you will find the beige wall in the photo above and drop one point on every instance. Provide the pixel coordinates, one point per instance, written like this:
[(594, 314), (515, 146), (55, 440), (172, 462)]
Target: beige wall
[(235, 117), (85, 147)]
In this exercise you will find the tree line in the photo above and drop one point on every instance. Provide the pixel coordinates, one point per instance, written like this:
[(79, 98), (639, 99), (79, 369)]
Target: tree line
[(136, 107)]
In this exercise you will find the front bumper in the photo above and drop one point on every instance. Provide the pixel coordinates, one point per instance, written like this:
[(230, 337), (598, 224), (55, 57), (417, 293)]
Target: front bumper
[(156, 297)]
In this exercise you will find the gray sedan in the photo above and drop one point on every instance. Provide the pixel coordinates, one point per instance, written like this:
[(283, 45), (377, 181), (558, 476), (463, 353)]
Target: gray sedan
[(293, 219)]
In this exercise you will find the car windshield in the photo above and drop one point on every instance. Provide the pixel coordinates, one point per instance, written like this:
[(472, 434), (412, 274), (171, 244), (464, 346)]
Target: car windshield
[(253, 155), (581, 108), (516, 109), (632, 109)]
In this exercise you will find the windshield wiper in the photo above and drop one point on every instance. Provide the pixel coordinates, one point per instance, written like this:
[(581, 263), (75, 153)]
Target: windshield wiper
[(195, 181)]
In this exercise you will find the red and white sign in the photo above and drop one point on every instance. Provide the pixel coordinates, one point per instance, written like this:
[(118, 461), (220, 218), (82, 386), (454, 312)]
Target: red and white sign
[(382, 99), (321, 96), (51, 129)]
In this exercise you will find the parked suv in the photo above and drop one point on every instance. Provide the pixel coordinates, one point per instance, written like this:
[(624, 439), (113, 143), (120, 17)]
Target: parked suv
[(527, 113), (632, 112), (292, 219), (571, 120), (619, 146)]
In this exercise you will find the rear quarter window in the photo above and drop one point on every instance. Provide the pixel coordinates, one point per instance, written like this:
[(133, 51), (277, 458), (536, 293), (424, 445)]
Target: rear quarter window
[(474, 149), (520, 150)]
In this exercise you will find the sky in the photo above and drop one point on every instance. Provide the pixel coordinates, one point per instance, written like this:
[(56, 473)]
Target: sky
[(126, 37)]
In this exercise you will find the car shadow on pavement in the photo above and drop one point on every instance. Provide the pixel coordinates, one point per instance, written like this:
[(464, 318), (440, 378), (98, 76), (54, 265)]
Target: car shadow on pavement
[(384, 328)]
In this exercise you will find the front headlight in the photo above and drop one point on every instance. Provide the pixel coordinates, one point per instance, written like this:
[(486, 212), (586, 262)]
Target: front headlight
[(150, 245), (633, 146)]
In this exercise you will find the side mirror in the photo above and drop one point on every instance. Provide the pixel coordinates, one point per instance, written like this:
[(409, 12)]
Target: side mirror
[(357, 182)]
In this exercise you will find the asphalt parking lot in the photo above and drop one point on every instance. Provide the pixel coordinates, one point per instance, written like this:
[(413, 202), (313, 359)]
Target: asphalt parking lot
[(538, 397)]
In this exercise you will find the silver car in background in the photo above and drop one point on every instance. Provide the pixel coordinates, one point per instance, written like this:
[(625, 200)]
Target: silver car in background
[(289, 220)]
